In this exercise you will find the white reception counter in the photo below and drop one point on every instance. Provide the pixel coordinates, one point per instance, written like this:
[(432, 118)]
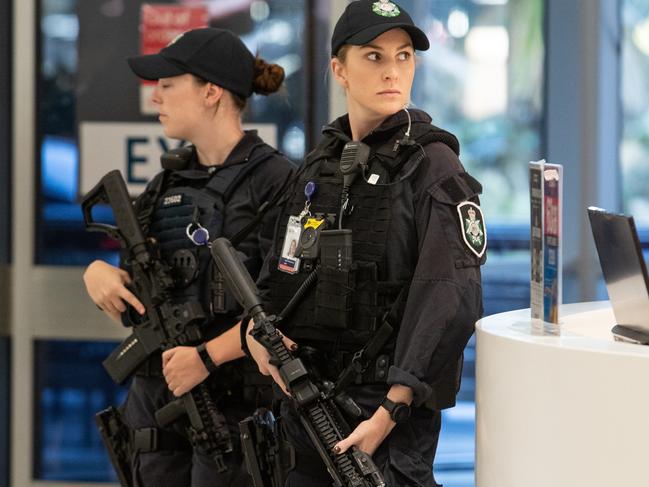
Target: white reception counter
[(567, 408)]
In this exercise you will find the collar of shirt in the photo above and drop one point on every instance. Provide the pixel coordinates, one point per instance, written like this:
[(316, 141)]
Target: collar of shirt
[(340, 127), (240, 153)]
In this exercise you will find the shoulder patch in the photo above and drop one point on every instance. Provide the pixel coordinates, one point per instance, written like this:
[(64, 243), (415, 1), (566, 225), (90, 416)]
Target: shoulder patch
[(474, 231)]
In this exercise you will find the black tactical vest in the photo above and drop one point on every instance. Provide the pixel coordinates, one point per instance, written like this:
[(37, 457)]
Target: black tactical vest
[(346, 306), (188, 198)]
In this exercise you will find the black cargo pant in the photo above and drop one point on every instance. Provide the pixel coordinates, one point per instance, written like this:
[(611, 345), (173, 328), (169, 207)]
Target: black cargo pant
[(405, 457), (181, 466)]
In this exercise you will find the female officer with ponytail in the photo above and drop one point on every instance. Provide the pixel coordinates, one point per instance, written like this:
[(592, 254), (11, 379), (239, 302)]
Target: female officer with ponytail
[(216, 186), (383, 172)]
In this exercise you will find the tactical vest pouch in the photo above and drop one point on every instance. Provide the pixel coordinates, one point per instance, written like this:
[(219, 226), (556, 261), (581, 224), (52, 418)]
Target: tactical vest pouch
[(334, 297), (336, 283)]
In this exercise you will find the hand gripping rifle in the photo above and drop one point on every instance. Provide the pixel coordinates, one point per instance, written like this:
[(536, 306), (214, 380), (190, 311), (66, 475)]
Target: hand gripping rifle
[(166, 323), (319, 414)]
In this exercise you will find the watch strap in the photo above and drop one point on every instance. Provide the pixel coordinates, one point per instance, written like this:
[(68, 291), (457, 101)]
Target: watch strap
[(206, 359), (394, 407), (388, 405)]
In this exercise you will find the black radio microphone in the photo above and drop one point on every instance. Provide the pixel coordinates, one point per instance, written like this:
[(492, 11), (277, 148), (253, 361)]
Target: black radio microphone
[(352, 161)]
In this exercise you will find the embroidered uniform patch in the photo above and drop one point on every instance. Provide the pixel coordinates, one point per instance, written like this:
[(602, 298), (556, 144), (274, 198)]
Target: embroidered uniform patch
[(385, 8), (172, 200), (473, 228)]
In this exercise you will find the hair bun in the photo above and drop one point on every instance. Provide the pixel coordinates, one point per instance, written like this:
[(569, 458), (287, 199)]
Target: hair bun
[(268, 77)]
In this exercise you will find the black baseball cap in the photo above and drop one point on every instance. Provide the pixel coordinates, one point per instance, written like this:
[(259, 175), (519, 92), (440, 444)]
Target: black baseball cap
[(365, 20), (215, 55)]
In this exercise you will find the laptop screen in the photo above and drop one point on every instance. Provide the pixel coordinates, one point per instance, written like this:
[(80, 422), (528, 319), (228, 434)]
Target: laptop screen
[(623, 267)]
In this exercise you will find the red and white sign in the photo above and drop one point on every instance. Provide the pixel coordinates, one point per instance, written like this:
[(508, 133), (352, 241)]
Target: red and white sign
[(159, 25)]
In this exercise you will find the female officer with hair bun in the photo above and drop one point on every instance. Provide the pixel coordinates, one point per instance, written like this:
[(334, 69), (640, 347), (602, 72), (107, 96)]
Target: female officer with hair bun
[(204, 78), (385, 173)]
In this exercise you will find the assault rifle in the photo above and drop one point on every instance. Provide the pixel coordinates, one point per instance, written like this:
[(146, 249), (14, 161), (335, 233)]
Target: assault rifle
[(319, 413), (165, 324)]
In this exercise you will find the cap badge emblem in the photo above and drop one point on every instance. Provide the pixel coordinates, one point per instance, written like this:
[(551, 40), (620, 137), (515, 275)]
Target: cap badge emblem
[(385, 8)]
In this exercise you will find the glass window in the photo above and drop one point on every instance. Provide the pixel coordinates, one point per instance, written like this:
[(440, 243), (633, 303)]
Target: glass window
[(84, 77), (482, 80), (70, 387), (634, 150)]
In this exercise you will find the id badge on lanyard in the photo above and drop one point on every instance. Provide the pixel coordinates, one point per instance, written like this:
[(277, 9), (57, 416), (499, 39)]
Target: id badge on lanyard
[(288, 262)]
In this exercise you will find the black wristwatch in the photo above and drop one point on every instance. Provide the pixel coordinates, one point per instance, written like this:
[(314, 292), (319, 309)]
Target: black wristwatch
[(399, 411), (206, 359)]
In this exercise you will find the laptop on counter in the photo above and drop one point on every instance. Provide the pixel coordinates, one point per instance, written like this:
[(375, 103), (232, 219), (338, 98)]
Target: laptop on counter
[(625, 273)]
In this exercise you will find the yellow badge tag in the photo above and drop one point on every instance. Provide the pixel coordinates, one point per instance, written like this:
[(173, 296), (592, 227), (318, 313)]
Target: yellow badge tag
[(313, 223)]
